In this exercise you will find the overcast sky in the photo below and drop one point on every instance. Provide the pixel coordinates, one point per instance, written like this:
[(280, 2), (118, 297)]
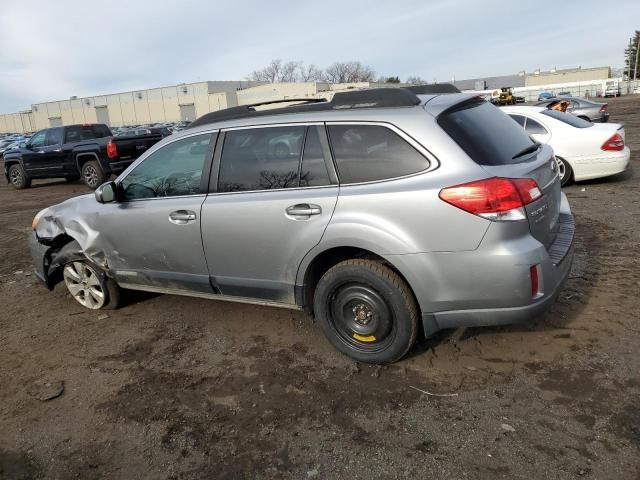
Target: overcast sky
[(51, 50)]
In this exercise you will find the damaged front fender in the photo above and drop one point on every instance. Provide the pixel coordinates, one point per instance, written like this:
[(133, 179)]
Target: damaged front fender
[(64, 233)]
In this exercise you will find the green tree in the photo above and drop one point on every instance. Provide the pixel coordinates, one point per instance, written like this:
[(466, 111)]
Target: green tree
[(395, 79), (632, 57)]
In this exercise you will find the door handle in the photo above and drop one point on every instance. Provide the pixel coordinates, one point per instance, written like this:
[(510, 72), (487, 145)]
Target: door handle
[(41, 151), (182, 217), (57, 150), (304, 209)]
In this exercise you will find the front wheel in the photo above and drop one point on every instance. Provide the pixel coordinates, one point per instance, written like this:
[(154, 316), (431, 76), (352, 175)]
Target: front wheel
[(366, 311), (90, 287), (18, 177), (92, 174), (564, 171)]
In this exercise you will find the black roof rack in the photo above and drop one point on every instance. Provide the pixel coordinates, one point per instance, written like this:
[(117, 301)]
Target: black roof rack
[(433, 89), (372, 98)]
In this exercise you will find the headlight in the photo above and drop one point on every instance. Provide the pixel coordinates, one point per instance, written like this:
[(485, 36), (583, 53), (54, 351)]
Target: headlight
[(36, 219)]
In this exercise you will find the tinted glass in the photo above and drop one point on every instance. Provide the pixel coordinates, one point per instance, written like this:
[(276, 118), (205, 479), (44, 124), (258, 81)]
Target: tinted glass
[(175, 169), (54, 137), (38, 139), (534, 128), (366, 153), (485, 132), (78, 133), (568, 118), (260, 159), (314, 167), (518, 118)]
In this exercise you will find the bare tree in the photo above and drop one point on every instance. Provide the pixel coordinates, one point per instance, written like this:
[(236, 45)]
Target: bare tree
[(347, 72), (289, 72), (277, 71), (310, 73), (270, 73), (416, 81)]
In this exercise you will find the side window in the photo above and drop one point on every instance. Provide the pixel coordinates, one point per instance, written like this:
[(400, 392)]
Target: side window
[(366, 153), (518, 118), (38, 139), (534, 127), (260, 159), (313, 171), (54, 137), (173, 170)]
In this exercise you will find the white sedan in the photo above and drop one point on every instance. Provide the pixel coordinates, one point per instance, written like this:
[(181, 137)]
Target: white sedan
[(584, 150)]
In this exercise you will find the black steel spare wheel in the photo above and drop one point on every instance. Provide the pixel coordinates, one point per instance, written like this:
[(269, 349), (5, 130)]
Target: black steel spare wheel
[(361, 316), (366, 311)]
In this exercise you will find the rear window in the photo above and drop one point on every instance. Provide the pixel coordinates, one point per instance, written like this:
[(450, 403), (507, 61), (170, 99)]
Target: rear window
[(366, 153), (568, 118), (485, 133), (79, 133)]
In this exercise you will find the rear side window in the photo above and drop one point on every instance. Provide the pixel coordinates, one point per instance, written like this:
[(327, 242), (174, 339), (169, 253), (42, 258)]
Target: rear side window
[(518, 118), (261, 159), (485, 133), (534, 128), (79, 133), (366, 153), (568, 118)]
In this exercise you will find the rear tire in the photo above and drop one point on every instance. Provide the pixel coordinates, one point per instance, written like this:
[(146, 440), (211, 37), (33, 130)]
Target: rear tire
[(565, 171), (366, 311), (92, 174), (18, 177)]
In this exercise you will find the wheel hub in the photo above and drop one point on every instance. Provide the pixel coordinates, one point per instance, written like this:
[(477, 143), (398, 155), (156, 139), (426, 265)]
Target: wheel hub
[(361, 316)]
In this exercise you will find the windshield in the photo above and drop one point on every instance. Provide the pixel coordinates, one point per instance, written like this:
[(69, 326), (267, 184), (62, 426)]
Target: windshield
[(485, 133), (568, 118)]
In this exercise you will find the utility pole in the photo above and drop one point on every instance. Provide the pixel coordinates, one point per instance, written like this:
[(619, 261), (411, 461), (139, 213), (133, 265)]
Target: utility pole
[(635, 67)]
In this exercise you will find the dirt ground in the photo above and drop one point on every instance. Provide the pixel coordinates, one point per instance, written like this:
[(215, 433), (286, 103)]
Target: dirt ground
[(182, 388)]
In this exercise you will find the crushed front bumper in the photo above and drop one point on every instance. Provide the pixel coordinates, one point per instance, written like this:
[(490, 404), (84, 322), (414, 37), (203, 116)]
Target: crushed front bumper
[(40, 255)]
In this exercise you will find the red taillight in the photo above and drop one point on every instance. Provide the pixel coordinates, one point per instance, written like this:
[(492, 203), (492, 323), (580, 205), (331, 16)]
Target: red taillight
[(112, 150), (603, 108), (614, 144), (533, 273), (493, 198)]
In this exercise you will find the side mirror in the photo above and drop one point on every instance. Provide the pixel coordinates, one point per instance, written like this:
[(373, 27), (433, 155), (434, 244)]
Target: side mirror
[(106, 193)]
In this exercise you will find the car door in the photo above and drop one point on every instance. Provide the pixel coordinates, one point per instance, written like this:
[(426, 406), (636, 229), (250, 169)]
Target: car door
[(151, 235), (52, 157), (273, 192), (32, 155)]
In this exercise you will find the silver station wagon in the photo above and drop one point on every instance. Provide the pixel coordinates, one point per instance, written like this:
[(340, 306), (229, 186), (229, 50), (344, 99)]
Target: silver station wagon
[(383, 213)]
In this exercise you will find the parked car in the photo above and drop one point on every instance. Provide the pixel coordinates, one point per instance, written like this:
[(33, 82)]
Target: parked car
[(583, 150), (393, 210), (76, 151), (582, 108), (545, 96), (162, 131)]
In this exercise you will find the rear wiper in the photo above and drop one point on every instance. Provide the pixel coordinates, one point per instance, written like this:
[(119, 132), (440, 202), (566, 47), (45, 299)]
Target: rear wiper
[(529, 149)]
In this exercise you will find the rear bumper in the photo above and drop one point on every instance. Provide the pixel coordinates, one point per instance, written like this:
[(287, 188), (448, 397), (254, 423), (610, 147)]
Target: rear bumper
[(504, 316), (603, 118), (603, 165), (492, 284), (119, 166)]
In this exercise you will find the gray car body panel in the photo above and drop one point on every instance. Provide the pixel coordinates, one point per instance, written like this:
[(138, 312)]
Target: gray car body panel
[(462, 268)]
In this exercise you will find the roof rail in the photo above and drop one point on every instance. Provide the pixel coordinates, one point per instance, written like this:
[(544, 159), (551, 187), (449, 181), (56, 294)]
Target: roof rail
[(371, 98), (433, 89)]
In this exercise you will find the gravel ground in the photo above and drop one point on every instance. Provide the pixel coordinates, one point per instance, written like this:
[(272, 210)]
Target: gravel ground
[(181, 388)]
